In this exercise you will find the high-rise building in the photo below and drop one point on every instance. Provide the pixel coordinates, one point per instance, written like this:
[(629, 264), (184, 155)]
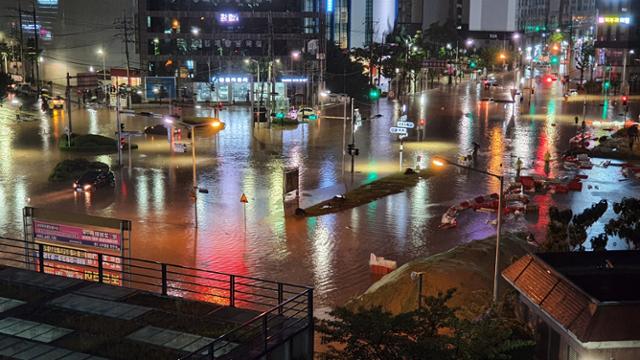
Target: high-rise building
[(338, 25), (211, 42), (617, 38), (370, 21), (543, 16), (441, 11)]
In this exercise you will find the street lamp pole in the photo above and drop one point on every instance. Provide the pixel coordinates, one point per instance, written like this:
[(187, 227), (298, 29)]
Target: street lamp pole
[(194, 175), (438, 161)]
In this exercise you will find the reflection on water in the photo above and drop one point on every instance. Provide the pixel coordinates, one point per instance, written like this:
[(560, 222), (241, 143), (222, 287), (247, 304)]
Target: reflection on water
[(330, 252)]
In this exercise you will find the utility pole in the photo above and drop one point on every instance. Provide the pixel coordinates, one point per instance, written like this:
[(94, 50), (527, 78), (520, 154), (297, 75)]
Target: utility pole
[(37, 52), (24, 74), (126, 51), (272, 85)]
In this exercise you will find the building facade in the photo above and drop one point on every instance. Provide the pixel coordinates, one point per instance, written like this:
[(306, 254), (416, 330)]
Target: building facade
[(221, 45)]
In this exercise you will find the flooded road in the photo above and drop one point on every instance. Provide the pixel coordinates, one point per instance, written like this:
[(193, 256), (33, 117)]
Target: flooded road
[(330, 252)]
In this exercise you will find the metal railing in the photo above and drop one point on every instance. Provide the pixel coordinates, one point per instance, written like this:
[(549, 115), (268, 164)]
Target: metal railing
[(282, 310)]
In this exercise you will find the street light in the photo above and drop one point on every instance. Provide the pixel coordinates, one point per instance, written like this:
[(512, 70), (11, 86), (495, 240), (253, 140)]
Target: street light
[(442, 162), (469, 42), (103, 55), (195, 31), (295, 54), (216, 124)]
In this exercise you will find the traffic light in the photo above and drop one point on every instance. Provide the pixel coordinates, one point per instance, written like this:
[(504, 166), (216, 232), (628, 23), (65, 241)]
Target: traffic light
[(472, 64), (555, 60), (625, 100), (280, 115), (121, 126), (374, 94), (422, 122), (313, 117), (607, 85)]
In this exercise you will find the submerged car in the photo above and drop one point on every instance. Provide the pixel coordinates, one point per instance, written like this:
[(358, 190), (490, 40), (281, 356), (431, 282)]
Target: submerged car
[(94, 179), (160, 129)]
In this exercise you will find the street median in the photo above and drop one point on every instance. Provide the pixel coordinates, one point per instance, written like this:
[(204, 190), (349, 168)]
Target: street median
[(388, 185)]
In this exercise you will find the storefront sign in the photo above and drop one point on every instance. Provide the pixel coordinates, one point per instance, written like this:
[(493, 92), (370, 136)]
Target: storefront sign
[(229, 18), (614, 20), (75, 235)]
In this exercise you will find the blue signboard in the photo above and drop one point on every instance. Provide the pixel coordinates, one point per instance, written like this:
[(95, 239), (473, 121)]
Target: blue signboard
[(160, 86)]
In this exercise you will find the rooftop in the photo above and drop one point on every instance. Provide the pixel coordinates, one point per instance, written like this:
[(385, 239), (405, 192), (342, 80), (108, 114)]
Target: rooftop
[(603, 275), (585, 292)]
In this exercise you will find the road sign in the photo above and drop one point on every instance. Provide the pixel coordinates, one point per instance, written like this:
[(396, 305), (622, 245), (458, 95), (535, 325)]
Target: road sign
[(402, 118), (398, 130), (406, 124), (243, 199)]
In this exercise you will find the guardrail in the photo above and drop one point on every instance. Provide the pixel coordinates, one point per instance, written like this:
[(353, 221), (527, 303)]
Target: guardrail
[(286, 309)]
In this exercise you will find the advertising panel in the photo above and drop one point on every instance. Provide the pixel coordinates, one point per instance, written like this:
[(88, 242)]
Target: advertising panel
[(73, 243)]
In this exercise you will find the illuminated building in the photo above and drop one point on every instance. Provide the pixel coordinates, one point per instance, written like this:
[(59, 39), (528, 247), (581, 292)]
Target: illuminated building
[(198, 40)]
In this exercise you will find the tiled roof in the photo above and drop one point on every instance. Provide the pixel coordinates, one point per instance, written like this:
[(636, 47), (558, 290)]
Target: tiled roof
[(569, 305)]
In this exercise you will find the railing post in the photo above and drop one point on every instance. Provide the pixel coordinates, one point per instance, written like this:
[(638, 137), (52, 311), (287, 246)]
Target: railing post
[(232, 290), (164, 278), (212, 353), (264, 332), (310, 320), (280, 297), (41, 257), (100, 268)]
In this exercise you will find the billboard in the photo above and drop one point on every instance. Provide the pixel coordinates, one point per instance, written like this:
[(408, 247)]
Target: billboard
[(492, 15), (77, 235), (72, 244)]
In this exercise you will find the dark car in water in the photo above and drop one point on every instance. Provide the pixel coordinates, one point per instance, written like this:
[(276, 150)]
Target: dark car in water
[(94, 179), (159, 129)]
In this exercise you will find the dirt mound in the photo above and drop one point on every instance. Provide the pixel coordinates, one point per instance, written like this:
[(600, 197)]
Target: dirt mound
[(468, 268)]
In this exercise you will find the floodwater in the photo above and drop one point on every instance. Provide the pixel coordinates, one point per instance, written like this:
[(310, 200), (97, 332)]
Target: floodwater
[(329, 252)]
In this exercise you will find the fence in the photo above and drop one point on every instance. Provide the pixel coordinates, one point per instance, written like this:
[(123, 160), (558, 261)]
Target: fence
[(286, 309)]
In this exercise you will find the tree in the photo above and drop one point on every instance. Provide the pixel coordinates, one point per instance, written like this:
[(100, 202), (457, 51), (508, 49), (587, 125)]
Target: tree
[(627, 225), (405, 54), (584, 59), (566, 232), (371, 56), (433, 331), (344, 74), (5, 81)]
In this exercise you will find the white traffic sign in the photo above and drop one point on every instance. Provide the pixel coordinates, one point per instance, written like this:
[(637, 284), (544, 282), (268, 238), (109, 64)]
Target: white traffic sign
[(406, 124), (403, 118), (398, 130)]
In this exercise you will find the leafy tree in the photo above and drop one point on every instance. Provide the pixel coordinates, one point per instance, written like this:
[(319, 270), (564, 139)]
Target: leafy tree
[(584, 59), (577, 229), (5, 81), (406, 55), (556, 37), (627, 225), (344, 74), (433, 331), (372, 56), (566, 232)]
